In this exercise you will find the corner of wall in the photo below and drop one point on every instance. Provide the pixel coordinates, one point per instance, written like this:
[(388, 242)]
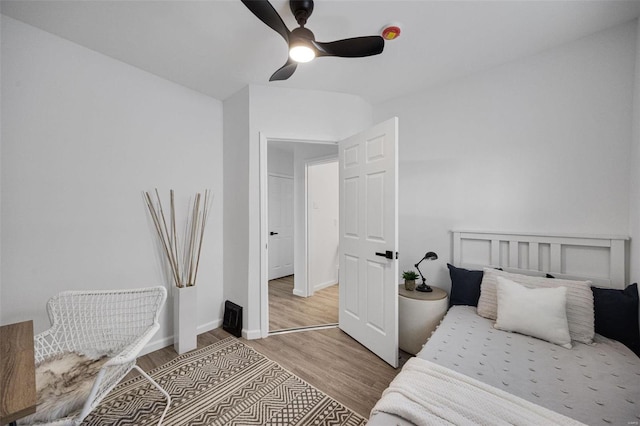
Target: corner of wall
[(95, 112), (634, 191), (235, 162)]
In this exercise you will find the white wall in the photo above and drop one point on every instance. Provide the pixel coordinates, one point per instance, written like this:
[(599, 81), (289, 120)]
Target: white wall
[(236, 201), (1, 134), (634, 193), (323, 207), (82, 136), (304, 152), (279, 161), (539, 144), (297, 115)]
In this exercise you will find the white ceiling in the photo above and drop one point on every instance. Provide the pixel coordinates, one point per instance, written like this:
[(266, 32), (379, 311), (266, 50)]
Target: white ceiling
[(217, 46)]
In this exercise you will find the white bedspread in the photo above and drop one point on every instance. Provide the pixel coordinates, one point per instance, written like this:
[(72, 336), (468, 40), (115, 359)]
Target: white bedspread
[(426, 393)]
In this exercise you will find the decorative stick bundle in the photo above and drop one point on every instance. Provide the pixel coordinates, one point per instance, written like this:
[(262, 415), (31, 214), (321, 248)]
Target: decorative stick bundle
[(184, 261)]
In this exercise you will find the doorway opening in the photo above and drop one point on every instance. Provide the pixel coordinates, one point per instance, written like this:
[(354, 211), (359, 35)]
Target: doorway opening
[(302, 236), (368, 211)]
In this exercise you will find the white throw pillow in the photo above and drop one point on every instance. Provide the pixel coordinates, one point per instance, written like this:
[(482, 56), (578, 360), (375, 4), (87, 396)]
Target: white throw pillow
[(580, 314), (537, 312)]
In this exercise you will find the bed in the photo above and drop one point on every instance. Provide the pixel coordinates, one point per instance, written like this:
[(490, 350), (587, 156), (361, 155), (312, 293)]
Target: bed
[(469, 372)]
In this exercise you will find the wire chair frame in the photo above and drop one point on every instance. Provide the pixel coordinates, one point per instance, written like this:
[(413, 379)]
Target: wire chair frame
[(118, 323)]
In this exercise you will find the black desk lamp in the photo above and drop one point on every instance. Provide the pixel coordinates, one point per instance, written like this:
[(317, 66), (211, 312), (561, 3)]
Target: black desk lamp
[(424, 287)]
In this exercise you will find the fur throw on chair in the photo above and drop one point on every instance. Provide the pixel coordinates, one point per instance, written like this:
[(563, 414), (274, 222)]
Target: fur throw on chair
[(63, 384)]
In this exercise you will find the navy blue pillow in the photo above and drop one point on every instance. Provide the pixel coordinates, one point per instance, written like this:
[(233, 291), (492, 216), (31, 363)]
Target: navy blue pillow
[(616, 313), (465, 286)]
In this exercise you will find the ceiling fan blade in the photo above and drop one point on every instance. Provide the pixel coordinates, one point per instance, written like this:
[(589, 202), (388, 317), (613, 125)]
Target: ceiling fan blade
[(267, 14), (357, 47), (285, 71)]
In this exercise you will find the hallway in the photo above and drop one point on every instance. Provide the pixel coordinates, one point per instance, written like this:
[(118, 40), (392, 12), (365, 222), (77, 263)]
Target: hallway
[(288, 311)]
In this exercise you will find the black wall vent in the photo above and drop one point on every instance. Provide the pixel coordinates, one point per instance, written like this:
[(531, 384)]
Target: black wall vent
[(232, 318)]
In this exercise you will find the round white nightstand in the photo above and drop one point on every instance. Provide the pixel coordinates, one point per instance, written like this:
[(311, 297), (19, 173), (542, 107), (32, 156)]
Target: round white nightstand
[(418, 316)]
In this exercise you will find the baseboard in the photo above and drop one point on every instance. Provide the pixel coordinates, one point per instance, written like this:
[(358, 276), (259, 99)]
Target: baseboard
[(168, 341), (157, 345), (211, 325), (325, 284), (251, 334), (298, 292)]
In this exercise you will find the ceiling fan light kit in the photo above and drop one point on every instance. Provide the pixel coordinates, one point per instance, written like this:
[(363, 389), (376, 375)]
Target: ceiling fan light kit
[(300, 47), (303, 46), (301, 53)]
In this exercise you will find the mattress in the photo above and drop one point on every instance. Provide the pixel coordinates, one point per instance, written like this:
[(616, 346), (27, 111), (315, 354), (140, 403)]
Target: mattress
[(597, 384)]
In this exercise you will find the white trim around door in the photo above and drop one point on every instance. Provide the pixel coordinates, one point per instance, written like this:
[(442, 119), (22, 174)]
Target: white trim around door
[(264, 225)]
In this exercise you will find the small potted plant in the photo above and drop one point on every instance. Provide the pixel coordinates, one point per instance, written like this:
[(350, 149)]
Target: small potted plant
[(409, 280)]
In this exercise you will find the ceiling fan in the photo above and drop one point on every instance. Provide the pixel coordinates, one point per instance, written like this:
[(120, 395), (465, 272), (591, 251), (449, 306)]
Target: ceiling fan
[(303, 46)]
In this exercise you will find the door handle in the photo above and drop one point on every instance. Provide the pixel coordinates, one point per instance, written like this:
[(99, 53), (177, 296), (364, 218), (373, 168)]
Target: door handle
[(273, 233), (388, 254)]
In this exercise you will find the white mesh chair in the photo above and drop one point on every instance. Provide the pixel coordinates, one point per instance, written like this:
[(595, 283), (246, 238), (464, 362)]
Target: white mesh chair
[(117, 322)]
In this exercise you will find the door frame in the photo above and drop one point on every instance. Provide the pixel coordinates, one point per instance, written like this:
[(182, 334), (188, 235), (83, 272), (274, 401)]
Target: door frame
[(264, 223)]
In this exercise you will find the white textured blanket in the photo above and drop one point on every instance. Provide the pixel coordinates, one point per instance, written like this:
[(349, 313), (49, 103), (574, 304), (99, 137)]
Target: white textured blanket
[(428, 394)]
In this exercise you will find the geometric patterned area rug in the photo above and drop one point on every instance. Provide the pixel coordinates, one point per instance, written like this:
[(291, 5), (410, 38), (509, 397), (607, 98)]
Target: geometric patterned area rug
[(227, 383)]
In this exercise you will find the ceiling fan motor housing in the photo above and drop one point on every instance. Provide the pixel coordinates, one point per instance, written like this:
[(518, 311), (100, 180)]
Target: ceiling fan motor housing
[(302, 33), (301, 10)]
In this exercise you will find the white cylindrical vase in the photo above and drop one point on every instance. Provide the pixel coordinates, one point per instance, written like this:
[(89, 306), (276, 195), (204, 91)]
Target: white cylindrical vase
[(185, 319)]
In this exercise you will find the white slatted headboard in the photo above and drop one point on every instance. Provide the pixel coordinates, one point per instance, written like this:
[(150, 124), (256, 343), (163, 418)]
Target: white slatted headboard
[(601, 259)]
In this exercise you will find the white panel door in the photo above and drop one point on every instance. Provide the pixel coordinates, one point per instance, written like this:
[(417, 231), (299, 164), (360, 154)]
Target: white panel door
[(280, 226), (368, 230)]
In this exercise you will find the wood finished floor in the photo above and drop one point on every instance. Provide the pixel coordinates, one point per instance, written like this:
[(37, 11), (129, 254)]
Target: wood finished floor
[(328, 359), (289, 311)]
